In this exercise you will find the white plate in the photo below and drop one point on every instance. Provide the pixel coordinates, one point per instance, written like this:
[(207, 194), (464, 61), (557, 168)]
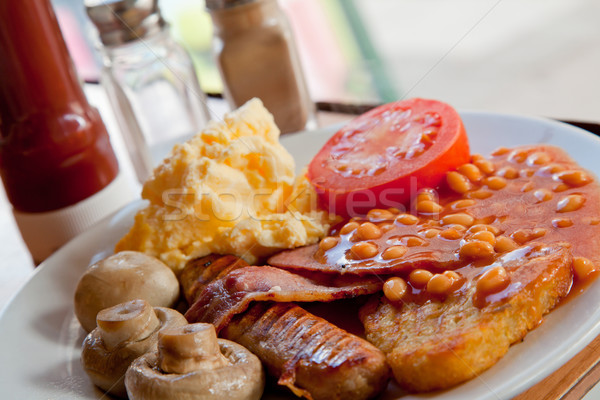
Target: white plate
[(40, 337)]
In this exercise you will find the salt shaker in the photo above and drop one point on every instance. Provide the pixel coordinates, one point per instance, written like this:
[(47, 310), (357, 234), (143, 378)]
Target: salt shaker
[(257, 57), (149, 78)]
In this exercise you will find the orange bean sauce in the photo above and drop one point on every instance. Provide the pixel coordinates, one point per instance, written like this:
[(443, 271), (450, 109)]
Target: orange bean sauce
[(493, 216)]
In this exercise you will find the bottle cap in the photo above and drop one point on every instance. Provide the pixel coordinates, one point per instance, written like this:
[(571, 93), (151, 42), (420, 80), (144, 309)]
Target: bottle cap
[(122, 21), (45, 232), (220, 4)]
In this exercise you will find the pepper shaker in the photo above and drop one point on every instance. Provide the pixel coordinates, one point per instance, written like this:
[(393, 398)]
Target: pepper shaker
[(149, 78), (257, 57)]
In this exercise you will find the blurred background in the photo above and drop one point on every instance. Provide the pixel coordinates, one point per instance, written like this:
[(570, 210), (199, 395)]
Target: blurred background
[(536, 57)]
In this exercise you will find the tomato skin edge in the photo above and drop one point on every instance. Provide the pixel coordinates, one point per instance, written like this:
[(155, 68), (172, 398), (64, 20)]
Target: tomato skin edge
[(356, 202)]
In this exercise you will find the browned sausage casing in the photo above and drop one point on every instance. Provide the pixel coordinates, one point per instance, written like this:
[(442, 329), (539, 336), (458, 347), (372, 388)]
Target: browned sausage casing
[(312, 357)]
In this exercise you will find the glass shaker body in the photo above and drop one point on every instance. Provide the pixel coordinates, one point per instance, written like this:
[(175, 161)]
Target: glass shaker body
[(156, 96), (257, 57)]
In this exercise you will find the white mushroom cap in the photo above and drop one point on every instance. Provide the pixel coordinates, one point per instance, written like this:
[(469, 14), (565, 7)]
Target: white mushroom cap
[(125, 332), (195, 368), (124, 276)]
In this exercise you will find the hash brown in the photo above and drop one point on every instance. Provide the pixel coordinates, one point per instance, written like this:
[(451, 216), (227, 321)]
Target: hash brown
[(433, 345)]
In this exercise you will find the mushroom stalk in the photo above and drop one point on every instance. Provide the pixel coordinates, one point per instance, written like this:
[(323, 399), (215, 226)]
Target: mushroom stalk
[(190, 363), (125, 332), (126, 322), (189, 348)]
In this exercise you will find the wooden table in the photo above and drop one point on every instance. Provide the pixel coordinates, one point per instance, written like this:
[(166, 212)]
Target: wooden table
[(572, 381)]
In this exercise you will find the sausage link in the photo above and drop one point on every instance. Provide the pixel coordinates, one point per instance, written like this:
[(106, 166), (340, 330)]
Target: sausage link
[(311, 356), (201, 271)]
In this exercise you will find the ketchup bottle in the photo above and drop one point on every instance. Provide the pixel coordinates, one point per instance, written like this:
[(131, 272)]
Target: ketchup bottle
[(56, 162)]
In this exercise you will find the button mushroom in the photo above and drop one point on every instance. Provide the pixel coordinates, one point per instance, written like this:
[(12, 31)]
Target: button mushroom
[(124, 276), (192, 364), (124, 332)]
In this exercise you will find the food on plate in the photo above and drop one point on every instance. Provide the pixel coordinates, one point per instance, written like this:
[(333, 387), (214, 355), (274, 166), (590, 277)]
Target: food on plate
[(125, 332), (233, 293), (191, 363), (312, 357), (127, 275), (383, 157), (518, 195), (454, 256), (477, 265), (438, 344), (231, 189)]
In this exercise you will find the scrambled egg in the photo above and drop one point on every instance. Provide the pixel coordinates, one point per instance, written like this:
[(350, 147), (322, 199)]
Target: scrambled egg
[(231, 189)]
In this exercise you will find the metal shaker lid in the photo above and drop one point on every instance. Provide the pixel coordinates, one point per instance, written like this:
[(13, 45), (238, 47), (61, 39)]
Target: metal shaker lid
[(122, 21), (220, 4)]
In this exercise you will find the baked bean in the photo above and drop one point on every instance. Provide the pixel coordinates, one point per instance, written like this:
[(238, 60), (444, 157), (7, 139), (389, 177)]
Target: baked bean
[(476, 157), (538, 158), (460, 218), (518, 156), (395, 288), (495, 182), (550, 169), (428, 207), (542, 195), (493, 280), (386, 227), (476, 249), (485, 236), (480, 194), (362, 250), (378, 215), (419, 278), (439, 284), (504, 244), (486, 166), (573, 178), (560, 187), (526, 173), (528, 187), (407, 219), (470, 171), (500, 151), (508, 173), (368, 231), (450, 234), (328, 243), (349, 227), (592, 220), (523, 235), (460, 228), (572, 202), (458, 182), (454, 277), (461, 204), (431, 233), (414, 241), (427, 194), (393, 252), (484, 227), (582, 267), (562, 222)]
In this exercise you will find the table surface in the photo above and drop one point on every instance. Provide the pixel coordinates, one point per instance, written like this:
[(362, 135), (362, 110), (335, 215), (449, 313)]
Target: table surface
[(576, 379)]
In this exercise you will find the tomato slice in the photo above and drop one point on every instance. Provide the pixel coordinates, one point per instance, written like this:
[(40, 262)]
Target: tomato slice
[(382, 158)]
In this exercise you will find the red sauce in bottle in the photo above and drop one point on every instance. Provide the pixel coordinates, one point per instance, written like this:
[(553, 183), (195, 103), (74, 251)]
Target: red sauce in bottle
[(54, 148)]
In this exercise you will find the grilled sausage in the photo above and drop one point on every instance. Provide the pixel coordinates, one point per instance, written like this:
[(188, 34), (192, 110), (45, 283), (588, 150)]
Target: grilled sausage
[(312, 357)]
